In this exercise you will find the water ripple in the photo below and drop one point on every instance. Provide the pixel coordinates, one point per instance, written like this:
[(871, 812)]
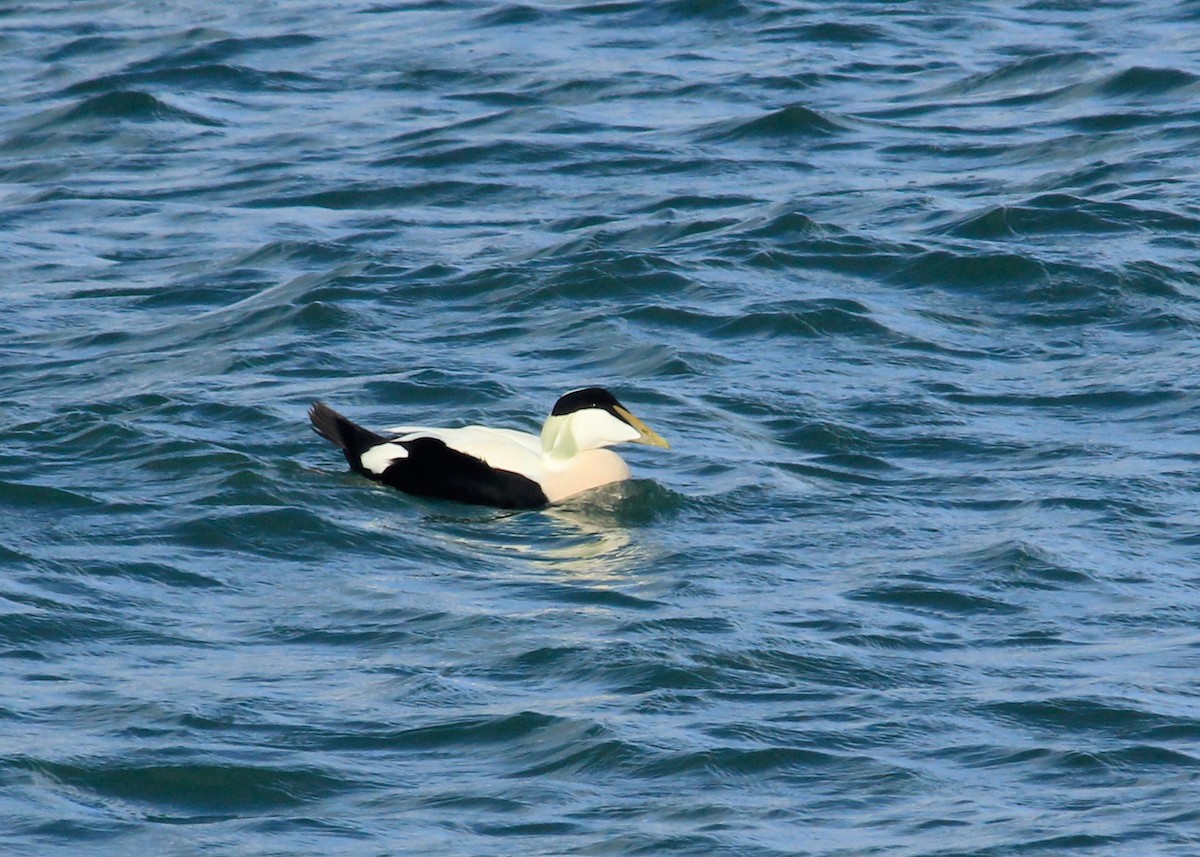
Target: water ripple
[(912, 294)]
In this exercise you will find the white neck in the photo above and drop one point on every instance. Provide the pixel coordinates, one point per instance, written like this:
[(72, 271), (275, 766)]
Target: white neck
[(558, 444)]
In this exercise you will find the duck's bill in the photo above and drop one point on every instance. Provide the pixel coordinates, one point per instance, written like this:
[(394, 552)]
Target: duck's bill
[(646, 434)]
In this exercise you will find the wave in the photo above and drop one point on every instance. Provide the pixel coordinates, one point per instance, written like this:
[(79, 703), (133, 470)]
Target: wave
[(1144, 81), (189, 789), (219, 77), (1061, 213), (795, 121)]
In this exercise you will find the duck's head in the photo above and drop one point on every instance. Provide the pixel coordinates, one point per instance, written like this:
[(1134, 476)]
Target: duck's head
[(592, 418)]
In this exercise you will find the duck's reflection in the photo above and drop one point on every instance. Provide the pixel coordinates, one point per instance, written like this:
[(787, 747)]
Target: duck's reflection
[(603, 534)]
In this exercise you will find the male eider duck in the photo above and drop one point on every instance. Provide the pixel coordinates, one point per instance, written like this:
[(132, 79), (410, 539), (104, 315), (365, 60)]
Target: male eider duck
[(492, 466)]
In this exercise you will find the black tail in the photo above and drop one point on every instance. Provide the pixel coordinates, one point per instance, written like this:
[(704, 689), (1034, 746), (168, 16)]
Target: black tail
[(353, 439)]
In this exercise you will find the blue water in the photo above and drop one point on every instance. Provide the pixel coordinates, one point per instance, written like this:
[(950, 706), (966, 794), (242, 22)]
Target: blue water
[(912, 288)]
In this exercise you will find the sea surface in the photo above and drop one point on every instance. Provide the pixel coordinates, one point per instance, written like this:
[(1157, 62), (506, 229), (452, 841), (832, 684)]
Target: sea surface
[(913, 289)]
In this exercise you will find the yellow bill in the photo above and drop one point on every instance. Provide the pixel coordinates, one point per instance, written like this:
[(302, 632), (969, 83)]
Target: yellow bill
[(646, 434)]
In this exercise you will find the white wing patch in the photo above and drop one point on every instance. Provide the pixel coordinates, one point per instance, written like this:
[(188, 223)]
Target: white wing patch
[(378, 458)]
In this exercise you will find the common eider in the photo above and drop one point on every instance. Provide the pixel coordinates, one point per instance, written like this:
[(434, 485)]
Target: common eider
[(493, 466)]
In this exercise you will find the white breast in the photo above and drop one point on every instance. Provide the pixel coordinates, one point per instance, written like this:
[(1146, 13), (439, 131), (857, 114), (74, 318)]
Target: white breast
[(582, 472)]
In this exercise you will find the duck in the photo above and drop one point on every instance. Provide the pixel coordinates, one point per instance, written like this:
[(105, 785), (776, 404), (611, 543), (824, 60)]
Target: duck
[(497, 467)]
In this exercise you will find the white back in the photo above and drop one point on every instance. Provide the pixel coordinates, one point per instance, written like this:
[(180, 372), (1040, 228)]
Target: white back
[(505, 449)]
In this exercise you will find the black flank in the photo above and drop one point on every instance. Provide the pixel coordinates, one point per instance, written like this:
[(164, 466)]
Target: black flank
[(433, 469)]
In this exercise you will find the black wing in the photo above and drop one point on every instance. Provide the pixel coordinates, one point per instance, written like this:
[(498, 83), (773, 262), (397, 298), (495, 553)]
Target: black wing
[(433, 469)]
